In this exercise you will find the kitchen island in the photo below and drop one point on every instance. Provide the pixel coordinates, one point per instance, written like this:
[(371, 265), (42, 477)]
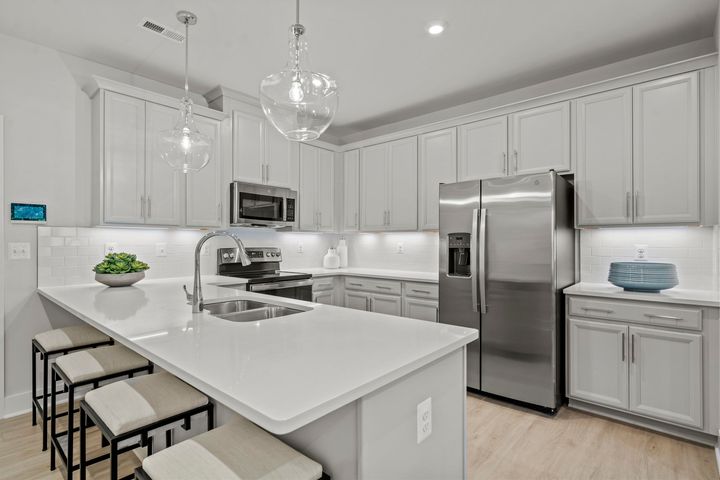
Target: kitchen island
[(342, 386)]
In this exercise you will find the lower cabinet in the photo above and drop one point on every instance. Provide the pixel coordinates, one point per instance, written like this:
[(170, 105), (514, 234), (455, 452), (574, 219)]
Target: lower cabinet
[(326, 297), (357, 300), (420, 309), (388, 304), (653, 372)]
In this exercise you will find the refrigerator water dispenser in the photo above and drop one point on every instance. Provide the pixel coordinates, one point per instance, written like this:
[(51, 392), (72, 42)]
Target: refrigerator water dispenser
[(459, 254)]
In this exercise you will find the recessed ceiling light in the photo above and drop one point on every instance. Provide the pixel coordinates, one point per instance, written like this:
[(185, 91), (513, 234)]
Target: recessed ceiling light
[(436, 28)]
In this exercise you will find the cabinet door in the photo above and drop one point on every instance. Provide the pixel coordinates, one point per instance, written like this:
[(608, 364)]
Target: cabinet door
[(351, 211), (482, 151), (278, 158), (402, 195), (248, 148), (666, 375), (325, 187), (373, 187), (666, 159), (540, 139), (307, 192), (388, 304), (437, 160), (124, 162), (357, 300), (205, 188), (420, 309), (326, 297), (163, 185), (598, 362), (603, 142)]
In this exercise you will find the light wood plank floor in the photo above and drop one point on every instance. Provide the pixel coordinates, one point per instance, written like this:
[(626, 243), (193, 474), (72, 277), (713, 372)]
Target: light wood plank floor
[(505, 442)]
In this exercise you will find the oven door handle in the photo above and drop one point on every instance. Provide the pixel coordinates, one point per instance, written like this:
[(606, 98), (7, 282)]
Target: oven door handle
[(264, 287)]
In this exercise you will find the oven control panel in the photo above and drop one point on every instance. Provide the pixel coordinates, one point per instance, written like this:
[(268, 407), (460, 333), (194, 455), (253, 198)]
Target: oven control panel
[(256, 254)]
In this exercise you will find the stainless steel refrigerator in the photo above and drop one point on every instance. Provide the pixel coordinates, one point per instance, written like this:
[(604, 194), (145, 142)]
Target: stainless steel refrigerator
[(507, 249)]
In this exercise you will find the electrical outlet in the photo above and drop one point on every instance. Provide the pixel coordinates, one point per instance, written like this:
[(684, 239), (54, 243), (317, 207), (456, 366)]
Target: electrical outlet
[(111, 247), (205, 250), (299, 247), (641, 253), (400, 247), (19, 251), (161, 249), (424, 419)]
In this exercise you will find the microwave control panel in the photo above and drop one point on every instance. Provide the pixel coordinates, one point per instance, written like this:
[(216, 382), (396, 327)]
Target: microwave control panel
[(290, 210)]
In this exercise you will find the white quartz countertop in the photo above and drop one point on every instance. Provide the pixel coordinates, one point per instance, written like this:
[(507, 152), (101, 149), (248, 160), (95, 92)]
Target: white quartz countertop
[(707, 298), (403, 275), (281, 373)]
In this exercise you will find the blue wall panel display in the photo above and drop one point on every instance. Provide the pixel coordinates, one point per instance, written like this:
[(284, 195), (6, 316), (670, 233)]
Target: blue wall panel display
[(28, 212)]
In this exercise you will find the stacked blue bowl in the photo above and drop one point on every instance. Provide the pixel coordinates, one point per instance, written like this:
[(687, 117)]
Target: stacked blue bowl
[(643, 276)]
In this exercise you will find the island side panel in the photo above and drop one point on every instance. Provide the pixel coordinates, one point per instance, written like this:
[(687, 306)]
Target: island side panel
[(387, 425)]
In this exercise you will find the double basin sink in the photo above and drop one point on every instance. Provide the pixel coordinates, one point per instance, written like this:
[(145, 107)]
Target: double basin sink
[(248, 310)]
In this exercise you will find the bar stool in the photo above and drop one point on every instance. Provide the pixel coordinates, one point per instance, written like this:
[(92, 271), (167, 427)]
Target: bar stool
[(136, 409), (235, 451), (79, 369), (52, 343)]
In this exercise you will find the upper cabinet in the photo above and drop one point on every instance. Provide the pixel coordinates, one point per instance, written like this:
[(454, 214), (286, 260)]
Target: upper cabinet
[(437, 159), (260, 153), (637, 152), (482, 151), (316, 196), (132, 184), (666, 166), (540, 139), (351, 190), (388, 186)]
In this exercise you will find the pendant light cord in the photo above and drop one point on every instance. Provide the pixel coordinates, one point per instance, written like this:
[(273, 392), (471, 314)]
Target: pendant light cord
[(297, 11), (187, 42)]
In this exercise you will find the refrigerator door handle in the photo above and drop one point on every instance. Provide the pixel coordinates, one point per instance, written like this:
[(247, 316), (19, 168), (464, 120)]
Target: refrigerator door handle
[(482, 248), (473, 258)]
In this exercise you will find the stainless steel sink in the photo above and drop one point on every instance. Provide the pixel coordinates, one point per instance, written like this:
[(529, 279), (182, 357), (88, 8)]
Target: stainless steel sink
[(248, 310)]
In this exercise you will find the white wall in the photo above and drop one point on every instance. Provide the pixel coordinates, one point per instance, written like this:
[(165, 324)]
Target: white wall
[(379, 250)]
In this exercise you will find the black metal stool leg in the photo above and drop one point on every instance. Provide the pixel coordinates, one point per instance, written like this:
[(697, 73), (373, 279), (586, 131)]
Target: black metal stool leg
[(113, 460), (83, 422), (44, 407), (34, 384), (53, 418), (210, 416), (70, 427), (168, 438)]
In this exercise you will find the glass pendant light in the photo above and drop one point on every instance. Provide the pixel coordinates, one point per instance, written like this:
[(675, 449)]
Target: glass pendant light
[(300, 103), (183, 147)]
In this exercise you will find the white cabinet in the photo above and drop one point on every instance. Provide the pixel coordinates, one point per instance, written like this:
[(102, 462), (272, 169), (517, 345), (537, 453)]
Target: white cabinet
[(437, 159), (163, 185), (351, 177), (357, 300), (260, 153), (540, 139), (387, 304), (482, 149), (388, 186), (666, 162), (603, 169), (326, 297), (598, 362), (420, 309), (203, 204), (123, 159), (316, 190), (666, 375)]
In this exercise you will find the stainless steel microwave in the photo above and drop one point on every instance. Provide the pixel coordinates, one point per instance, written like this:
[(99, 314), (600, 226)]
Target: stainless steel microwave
[(253, 205)]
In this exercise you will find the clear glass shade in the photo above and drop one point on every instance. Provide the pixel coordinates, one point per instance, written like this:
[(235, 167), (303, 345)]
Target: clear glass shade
[(300, 103), (184, 148)]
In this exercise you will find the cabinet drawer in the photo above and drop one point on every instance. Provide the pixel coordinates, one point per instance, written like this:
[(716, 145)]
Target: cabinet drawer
[(686, 317), (421, 290), (373, 285), (320, 284)]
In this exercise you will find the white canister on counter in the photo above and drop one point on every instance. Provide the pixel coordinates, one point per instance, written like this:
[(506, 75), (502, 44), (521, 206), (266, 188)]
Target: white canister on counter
[(331, 259), (342, 251)]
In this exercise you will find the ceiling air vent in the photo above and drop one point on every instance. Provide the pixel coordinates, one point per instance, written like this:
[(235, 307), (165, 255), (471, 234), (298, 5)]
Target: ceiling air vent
[(162, 30)]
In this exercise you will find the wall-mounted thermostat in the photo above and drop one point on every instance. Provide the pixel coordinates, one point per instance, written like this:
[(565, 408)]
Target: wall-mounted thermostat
[(28, 213)]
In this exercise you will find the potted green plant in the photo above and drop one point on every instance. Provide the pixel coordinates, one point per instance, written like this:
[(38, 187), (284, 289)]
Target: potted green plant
[(120, 270)]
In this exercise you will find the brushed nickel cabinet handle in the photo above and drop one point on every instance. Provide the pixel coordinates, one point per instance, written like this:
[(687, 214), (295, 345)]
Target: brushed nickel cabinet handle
[(142, 206), (504, 163), (628, 205), (637, 204), (382, 287), (516, 161), (664, 317), (355, 284), (437, 314), (601, 310), (420, 291), (632, 348), (267, 173), (149, 207), (623, 346)]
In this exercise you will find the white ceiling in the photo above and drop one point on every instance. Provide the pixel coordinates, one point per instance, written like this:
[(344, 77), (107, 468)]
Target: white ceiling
[(387, 67)]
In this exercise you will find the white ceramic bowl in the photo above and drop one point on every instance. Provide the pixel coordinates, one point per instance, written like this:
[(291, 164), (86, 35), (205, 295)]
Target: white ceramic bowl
[(119, 279)]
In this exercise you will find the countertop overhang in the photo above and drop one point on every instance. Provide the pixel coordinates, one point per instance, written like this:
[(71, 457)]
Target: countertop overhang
[(705, 298), (281, 373)]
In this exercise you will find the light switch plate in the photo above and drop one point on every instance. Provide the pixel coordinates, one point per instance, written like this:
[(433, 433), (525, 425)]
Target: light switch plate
[(111, 247), (19, 251), (641, 253), (400, 247), (161, 249), (205, 250), (299, 247), (424, 420)]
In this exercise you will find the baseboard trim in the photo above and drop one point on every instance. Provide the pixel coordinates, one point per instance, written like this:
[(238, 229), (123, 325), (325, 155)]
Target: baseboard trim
[(19, 404)]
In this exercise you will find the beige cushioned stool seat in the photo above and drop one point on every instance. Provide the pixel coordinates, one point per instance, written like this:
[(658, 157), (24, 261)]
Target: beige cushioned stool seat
[(129, 404), (236, 451), (70, 337), (99, 362)]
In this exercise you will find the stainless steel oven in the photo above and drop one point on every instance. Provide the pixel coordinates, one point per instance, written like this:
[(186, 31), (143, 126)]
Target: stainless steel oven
[(262, 206)]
